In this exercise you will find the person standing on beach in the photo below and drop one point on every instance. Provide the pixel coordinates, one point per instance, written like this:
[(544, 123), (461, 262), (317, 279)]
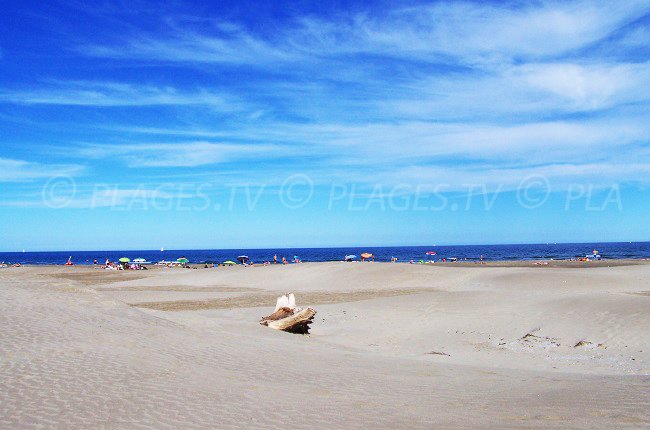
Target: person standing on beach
[(275, 259)]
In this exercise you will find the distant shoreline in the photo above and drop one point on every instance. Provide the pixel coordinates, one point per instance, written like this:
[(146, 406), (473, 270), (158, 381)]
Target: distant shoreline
[(476, 264), (466, 254), (341, 247)]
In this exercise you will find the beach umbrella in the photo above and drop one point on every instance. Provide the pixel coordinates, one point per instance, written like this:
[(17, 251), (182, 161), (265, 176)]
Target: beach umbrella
[(183, 260), (350, 257), (124, 260), (242, 258), (229, 263)]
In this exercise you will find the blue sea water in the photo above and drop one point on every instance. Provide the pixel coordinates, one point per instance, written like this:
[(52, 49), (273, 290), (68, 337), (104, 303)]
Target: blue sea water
[(611, 250)]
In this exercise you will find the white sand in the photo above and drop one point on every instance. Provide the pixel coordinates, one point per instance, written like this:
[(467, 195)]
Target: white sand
[(74, 353)]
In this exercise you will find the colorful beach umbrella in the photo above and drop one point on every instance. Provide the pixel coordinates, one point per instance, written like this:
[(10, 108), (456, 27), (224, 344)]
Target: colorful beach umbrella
[(124, 260), (183, 260), (229, 263)]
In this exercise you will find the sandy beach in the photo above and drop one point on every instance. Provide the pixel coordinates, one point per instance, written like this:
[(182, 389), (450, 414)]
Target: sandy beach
[(392, 346)]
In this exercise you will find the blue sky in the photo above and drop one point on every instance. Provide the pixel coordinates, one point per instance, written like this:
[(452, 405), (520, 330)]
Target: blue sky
[(135, 125)]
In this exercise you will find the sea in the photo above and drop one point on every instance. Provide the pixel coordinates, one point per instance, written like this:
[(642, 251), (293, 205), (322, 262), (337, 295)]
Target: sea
[(545, 251)]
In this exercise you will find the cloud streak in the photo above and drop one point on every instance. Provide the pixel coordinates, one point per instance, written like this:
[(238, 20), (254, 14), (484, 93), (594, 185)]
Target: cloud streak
[(180, 154), (472, 33), (111, 94), (12, 170)]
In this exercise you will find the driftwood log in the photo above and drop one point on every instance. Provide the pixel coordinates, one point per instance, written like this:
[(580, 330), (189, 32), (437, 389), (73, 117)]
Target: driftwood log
[(279, 314), (297, 323), (287, 317)]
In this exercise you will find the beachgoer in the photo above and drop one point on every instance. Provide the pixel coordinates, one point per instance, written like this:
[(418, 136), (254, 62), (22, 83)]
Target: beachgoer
[(284, 260), (275, 259)]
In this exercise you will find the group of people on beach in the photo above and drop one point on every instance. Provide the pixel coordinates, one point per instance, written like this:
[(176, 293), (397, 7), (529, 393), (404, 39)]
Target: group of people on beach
[(110, 265), (275, 260), (4, 265), (246, 262)]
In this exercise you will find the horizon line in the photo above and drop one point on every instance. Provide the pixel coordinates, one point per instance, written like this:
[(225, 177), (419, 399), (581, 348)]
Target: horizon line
[(328, 247)]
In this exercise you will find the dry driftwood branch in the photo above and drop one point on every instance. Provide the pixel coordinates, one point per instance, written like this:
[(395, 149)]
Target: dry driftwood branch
[(279, 314), (288, 317), (297, 323)]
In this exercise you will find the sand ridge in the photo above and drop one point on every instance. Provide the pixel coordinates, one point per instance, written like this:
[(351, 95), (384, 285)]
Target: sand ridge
[(262, 300)]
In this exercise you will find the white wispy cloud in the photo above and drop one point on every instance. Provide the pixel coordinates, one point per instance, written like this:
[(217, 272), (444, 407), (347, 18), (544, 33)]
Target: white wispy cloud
[(12, 170), (105, 93), (179, 154), (519, 93), (479, 33), (390, 142), (422, 152), (589, 87), (470, 32)]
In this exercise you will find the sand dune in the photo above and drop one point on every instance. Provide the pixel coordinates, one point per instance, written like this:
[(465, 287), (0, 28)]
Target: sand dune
[(391, 346)]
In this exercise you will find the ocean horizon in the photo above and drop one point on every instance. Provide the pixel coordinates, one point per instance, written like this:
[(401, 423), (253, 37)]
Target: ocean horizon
[(503, 252)]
